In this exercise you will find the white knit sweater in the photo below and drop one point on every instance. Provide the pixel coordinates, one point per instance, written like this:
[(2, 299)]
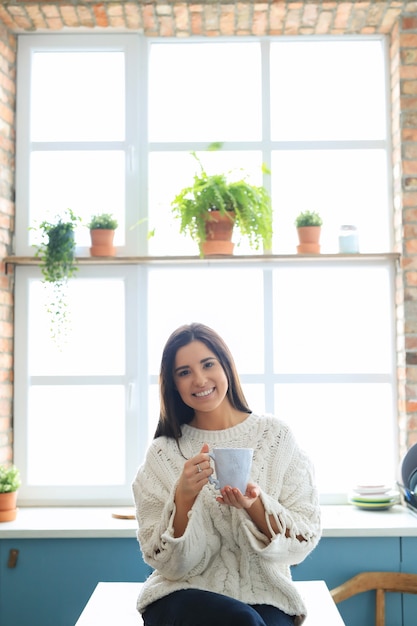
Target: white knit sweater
[(222, 550)]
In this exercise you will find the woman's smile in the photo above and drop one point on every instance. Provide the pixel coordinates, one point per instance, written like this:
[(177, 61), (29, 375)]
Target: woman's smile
[(204, 394)]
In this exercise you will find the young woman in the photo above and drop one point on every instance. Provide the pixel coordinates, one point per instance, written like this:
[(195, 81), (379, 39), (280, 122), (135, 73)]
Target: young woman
[(220, 558)]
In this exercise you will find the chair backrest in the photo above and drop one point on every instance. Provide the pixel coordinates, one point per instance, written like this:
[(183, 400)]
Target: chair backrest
[(379, 582)]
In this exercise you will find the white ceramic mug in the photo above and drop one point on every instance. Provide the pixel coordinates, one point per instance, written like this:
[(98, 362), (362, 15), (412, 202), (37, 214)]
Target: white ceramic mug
[(233, 467)]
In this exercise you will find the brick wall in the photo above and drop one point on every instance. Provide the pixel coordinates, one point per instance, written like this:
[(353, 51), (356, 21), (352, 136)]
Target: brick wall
[(182, 18), (7, 136), (185, 18), (407, 170)]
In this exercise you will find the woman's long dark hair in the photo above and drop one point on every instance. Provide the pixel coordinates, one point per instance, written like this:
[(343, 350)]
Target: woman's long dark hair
[(173, 411)]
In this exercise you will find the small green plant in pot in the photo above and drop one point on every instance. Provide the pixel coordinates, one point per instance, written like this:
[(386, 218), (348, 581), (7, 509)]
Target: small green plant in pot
[(308, 218), (308, 225), (104, 221), (58, 264), (9, 484), (102, 227), (213, 200)]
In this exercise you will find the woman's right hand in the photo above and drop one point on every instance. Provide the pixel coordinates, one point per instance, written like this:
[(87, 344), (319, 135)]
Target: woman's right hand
[(195, 474), (193, 477)]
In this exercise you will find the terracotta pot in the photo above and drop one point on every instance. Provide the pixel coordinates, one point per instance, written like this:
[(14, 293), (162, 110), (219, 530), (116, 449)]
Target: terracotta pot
[(309, 238), (219, 231), (102, 242), (8, 510)]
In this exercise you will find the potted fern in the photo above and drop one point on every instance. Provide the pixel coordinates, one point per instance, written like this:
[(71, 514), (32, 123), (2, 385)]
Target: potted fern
[(57, 261), (308, 224), (9, 484), (213, 203), (102, 227)]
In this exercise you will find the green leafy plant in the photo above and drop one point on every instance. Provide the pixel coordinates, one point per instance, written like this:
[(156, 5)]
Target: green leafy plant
[(250, 204), (57, 256), (57, 250), (105, 221), (9, 479), (308, 218)]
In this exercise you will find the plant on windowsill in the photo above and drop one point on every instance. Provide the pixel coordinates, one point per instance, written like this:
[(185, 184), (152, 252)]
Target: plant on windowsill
[(9, 484), (308, 224), (214, 202), (57, 256), (102, 227)]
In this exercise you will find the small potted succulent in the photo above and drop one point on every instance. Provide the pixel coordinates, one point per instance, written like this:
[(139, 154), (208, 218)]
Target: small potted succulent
[(102, 227), (308, 224), (213, 202), (9, 484)]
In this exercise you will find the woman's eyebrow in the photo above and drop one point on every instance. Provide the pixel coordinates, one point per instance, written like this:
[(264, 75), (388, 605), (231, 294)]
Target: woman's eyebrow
[(208, 358)]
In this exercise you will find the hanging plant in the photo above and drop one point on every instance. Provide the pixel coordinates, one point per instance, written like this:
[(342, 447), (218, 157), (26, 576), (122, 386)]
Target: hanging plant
[(58, 264)]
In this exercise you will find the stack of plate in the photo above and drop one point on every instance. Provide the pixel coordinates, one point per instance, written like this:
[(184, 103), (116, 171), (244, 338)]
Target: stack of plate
[(374, 497)]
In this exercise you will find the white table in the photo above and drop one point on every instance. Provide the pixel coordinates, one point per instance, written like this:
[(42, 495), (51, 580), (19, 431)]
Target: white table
[(115, 603)]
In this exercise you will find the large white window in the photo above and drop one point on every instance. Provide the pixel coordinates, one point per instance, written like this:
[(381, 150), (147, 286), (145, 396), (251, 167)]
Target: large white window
[(107, 124)]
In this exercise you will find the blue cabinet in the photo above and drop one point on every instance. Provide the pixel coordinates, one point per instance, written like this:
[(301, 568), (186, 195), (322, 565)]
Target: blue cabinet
[(53, 578), (409, 565), (337, 559)]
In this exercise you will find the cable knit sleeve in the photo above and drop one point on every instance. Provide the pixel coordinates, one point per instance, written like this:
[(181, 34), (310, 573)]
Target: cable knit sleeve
[(154, 490), (290, 497)]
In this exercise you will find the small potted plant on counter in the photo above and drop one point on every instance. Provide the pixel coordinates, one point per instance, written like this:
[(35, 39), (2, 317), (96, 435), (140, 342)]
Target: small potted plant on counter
[(9, 484), (102, 227), (212, 205), (308, 224)]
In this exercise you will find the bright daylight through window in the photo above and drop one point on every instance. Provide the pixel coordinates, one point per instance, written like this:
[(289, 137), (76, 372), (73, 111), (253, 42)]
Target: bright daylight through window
[(107, 123)]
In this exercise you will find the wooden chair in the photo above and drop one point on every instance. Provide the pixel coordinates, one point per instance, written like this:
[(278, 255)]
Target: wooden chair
[(380, 582)]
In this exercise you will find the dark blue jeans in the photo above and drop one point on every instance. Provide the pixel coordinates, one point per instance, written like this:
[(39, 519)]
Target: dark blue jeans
[(192, 607)]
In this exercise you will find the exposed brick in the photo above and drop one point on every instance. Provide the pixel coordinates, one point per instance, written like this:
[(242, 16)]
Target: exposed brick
[(134, 20), (409, 151), (411, 279), (408, 103), (411, 359), (410, 200), (260, 23), (410, 167), (410, 183), (100, 15), (408, 41), (408, 72), (409, 23), (411, 344), (408, 55), (412, 373)]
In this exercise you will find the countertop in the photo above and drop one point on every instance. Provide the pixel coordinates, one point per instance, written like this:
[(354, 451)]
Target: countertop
[(115, 603), (98, 522)]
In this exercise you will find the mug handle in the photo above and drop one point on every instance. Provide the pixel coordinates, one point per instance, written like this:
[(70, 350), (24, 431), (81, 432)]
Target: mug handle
[(212, 480)]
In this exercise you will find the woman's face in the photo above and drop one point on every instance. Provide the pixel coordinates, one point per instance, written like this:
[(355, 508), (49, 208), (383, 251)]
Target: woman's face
[(199, 377)]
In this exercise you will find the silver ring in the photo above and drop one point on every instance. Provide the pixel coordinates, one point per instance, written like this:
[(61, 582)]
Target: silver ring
[(199, 468)]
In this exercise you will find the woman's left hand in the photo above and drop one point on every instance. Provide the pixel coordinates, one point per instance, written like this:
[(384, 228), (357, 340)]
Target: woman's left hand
[(231, 496)]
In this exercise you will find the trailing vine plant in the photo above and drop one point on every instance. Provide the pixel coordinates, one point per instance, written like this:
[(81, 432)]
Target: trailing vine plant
[(57, 255)]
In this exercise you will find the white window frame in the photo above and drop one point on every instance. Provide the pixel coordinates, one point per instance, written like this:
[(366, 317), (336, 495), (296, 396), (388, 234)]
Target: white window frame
[(137, 148), (133, 146)]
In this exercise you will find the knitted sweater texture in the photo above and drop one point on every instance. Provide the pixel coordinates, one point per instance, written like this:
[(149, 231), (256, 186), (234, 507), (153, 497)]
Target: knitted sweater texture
[(222, 550)]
